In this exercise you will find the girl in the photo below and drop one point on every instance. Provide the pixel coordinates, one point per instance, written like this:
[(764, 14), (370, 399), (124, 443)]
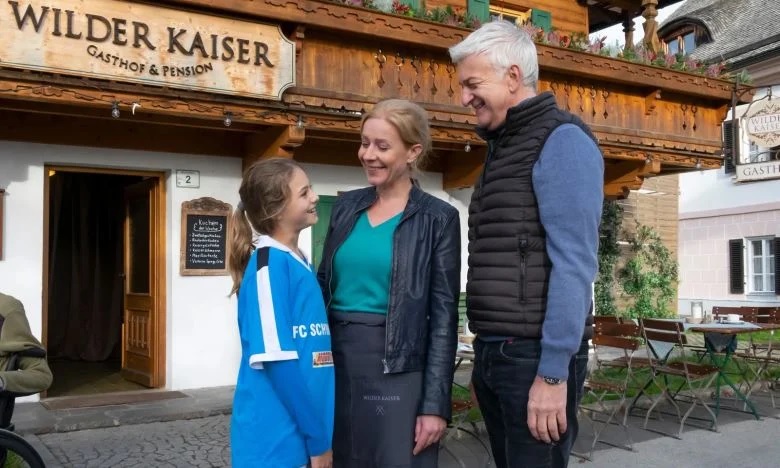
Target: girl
[(283, 403), (391, 276)]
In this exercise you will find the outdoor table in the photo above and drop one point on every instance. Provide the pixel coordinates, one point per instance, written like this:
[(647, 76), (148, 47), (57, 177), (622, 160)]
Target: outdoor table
[(719, 339)]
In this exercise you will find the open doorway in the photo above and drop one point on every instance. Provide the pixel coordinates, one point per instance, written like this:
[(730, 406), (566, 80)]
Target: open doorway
[(102, 281)]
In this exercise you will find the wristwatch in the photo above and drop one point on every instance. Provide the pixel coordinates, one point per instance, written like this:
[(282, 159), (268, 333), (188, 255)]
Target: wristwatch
[(552, 380)]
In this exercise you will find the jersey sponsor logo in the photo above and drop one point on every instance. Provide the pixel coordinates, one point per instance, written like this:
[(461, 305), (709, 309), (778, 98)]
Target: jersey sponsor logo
[(312, 329), (322, 359)]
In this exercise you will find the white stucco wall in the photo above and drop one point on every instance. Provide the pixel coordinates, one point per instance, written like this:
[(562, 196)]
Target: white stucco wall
[(713, 209), (202, 348), (198, 309)]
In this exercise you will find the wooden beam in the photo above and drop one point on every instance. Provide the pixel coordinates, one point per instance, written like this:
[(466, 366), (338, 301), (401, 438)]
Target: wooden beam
[(462, 169), (275, 142), (631, 6), (651, 101), (621, 177)]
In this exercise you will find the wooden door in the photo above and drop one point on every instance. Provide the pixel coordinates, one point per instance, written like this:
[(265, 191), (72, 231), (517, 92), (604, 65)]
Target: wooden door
[(141, 325)]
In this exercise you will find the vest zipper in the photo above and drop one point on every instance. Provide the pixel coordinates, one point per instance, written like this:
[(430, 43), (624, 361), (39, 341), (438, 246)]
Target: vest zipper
[(522, 249)]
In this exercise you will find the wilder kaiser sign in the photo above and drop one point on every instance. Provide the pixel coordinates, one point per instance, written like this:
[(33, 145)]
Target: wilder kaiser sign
[(135, 42), (763, 123)]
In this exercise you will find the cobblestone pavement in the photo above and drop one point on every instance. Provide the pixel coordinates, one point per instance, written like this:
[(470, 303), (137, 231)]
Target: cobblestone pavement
[(190, 443)]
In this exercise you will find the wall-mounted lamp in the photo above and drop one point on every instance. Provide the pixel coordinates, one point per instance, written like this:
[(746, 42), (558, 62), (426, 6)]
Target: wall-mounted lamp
[(228, 119), (467, 148), (698, 164), (300, 122), (115, 110)]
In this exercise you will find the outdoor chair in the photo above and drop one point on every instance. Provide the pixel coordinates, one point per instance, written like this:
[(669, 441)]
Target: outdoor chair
[(607, 386), (677, 379), (764, 357)]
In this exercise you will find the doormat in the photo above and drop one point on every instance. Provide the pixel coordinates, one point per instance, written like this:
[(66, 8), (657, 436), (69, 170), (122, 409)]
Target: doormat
[(109, 399)]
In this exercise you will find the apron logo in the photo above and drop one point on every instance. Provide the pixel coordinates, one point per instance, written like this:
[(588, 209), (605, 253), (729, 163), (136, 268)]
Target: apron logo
[(380, 410), (322, 359)]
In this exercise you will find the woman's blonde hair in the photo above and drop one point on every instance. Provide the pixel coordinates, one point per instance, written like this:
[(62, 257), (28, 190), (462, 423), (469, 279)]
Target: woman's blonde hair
[(410, 121), (264, 192)]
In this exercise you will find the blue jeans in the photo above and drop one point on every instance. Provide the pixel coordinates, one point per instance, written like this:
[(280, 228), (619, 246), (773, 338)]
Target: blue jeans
[(503, 374)]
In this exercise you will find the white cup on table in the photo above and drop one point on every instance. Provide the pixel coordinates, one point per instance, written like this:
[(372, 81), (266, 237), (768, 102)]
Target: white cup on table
[(732, 318)]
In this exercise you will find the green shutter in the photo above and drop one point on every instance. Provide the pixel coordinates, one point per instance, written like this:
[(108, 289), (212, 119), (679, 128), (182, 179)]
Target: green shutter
[(542, 19), (320, 230), (479, 9)]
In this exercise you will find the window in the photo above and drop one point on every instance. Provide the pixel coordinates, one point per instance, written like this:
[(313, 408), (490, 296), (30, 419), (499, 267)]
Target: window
[(761, 265), (685, 40), (517, 17), (754, 265), (762, 154)]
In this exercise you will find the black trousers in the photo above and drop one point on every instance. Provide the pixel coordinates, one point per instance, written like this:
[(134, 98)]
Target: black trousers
[(503, 374), (376, 413)]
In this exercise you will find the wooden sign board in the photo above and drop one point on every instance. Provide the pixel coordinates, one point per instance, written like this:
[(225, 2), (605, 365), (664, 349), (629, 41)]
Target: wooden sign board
[(151, 45), (205, 227)]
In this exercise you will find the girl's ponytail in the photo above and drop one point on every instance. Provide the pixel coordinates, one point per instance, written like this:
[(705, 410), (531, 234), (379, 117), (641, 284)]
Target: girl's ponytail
[(241, 246)]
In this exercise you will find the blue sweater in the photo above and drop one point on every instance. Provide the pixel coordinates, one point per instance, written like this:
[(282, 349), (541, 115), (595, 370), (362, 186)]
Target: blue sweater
[(568, 182)]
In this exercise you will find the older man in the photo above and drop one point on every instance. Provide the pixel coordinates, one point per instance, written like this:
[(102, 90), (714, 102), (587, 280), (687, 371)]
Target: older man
[(533, 241)]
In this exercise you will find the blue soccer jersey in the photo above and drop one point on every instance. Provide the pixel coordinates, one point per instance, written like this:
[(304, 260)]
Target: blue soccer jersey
[(284, 398)]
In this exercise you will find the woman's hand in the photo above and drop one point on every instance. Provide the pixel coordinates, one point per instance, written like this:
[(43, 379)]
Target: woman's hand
[(323, 461), (428, 431)]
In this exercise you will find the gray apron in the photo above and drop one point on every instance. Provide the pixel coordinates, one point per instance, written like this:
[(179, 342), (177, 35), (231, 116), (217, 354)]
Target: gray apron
[(376, 413)]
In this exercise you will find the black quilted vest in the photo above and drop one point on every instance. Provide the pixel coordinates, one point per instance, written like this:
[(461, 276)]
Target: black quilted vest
[(509, 269)]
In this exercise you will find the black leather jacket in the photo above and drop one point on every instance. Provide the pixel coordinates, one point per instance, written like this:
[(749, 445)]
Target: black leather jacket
[(422, 315)]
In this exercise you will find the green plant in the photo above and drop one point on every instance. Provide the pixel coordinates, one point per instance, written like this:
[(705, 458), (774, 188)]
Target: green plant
[(609, 252), (650, 275)]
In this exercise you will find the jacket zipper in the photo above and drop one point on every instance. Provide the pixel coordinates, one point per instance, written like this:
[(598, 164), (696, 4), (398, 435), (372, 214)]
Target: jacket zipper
[(404, 217), (522, 248)]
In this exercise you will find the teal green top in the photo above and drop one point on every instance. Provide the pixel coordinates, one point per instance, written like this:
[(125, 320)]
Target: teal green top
[(362, 267)]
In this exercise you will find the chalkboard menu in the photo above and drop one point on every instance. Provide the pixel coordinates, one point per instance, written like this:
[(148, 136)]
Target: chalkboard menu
[(204, 237)]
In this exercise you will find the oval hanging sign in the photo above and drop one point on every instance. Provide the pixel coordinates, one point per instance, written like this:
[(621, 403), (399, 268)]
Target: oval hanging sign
[(763, 123)]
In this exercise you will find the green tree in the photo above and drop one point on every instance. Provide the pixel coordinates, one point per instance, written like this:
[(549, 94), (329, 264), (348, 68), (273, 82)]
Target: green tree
[(609, 252), (649, 277)]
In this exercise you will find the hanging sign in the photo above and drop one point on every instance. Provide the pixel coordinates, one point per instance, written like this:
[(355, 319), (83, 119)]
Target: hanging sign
[(151, 45), (763, 123)]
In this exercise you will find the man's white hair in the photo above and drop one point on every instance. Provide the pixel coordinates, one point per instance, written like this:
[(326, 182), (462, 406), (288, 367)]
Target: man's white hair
[(504, 44)]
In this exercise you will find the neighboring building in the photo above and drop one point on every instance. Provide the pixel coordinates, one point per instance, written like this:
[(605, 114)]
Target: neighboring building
[(730, 218), (126, 125)]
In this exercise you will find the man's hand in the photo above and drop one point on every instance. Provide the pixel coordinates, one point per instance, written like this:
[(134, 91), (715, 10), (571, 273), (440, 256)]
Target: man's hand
[(547, 410), (428, 431), (323, 461)]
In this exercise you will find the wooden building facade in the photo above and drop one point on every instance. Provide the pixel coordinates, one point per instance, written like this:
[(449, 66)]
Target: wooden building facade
[(162, 103)]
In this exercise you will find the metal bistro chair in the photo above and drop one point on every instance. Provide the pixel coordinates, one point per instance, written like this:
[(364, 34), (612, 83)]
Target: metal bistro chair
[(673, 364), (608, 385), (764, 357)]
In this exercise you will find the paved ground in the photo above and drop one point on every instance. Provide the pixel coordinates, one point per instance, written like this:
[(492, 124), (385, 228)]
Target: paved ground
[(201, 443), (193, 432)]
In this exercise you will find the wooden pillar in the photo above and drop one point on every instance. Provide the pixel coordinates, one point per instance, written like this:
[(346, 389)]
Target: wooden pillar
[(628, 29), (649, 12), (275, 142)]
